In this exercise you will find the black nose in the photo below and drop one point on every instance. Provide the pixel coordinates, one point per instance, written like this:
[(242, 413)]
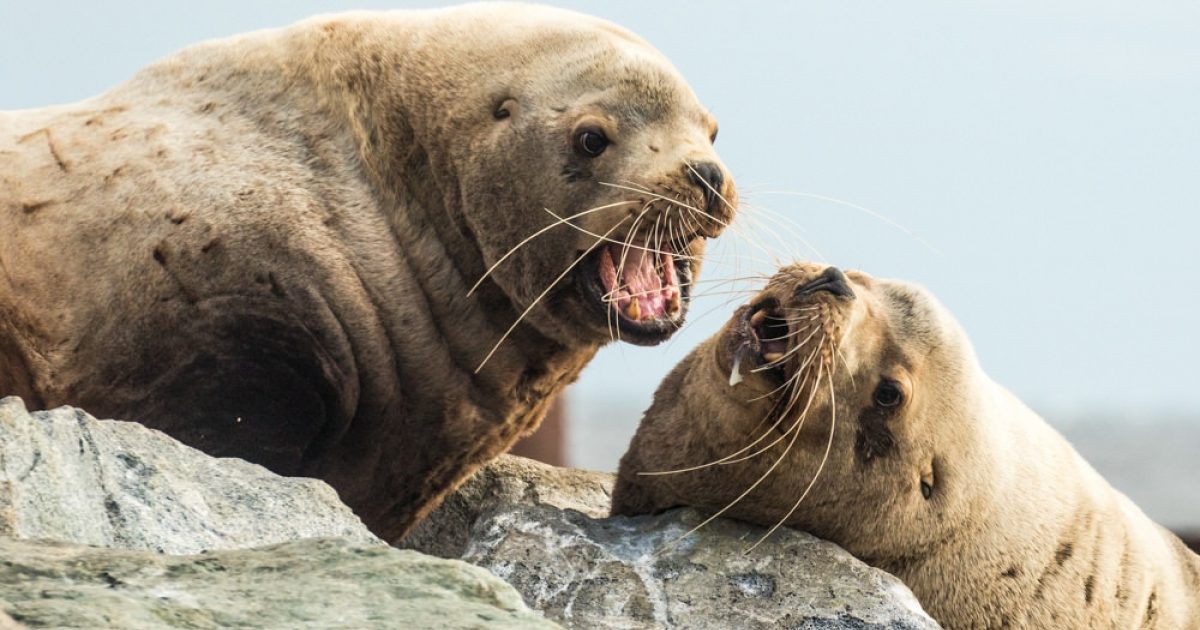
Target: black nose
[(709, 178), (831, 280)]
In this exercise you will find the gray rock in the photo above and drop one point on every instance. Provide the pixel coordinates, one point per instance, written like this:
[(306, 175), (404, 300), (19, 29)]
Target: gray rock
[(537, 527), (505, 482), (67, 476), (308, 584)]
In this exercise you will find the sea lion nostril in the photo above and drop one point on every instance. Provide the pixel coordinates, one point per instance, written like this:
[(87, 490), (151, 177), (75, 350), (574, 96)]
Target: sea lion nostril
[(709, 178), (831, 280)]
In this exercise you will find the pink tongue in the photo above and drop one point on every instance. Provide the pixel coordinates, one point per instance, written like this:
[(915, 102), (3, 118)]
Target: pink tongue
[(640, 277), (641, 291)]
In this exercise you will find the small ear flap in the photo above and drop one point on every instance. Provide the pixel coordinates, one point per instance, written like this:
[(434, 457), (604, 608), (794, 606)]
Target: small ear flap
[(927, 482), (504, 108)]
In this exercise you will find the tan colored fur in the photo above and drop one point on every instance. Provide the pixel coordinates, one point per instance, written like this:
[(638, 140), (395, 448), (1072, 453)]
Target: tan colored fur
[(1018, 531), (263, 245)]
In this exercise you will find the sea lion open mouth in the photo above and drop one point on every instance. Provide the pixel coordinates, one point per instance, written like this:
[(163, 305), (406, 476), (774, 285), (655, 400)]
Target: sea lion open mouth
[(760, 341), (767, 333), (641, 290)]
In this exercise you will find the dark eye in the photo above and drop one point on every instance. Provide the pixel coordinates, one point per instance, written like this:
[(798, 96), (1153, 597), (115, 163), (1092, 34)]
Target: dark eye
[(889, 394), (713, 137), (590, 143)]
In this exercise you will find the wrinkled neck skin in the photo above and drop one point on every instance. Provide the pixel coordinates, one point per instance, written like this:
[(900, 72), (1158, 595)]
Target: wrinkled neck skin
[(411, 159)]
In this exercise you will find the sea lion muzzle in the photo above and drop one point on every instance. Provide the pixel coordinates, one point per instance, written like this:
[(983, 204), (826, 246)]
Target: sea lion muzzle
[(831, 280)]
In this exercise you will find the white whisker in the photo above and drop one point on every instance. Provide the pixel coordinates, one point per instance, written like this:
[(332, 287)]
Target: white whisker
[(543, 294), (560, 221)]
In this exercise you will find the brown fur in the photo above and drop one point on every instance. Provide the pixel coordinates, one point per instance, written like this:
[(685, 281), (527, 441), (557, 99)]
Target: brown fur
[(263, 245), (1017, 532)]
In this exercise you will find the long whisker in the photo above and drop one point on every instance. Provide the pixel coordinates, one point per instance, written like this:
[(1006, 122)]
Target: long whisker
[(662, 197), (791, 381), (560, 221), (789, 227), (723, 306), (842, 202), (715, 282), (780, 418), (543, 294), (709, 186), (796, 427), (792, 322), (617, 242), (793, 399), (625, 245), (789, 353), (745, 233), (748, 490), (824, 458), (635, 186), (812, 355), (771, 259)]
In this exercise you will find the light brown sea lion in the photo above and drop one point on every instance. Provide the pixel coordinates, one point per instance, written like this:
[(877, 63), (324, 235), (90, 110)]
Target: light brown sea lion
[(927, 468), (341, 249)]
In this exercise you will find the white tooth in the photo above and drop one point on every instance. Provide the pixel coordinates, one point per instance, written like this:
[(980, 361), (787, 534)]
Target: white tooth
[(735, 374), (772, 357), (758, 318)]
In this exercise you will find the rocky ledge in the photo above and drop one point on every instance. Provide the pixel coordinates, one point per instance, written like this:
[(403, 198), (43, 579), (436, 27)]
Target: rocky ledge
[(110, 524), (543, 530)]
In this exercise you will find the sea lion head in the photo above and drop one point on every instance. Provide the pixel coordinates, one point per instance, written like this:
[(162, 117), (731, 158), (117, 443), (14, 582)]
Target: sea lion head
[(842, 404), (578, 164)]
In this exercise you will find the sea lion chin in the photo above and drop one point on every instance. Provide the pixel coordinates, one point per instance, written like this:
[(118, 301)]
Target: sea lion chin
[(854, 408), (368, 247)]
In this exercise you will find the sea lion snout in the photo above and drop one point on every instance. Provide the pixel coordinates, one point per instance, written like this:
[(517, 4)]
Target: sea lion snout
[(781, 330), (710, 178), (831, 280)]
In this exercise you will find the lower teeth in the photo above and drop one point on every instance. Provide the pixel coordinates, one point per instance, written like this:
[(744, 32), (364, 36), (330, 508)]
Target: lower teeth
[(634, 310)]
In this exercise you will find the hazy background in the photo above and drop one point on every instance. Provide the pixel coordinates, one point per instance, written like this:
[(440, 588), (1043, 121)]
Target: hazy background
[(1043, 158)]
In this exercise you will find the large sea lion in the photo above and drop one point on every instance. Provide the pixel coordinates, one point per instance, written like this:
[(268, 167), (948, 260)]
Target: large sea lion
[(854, 408), (368, 247)]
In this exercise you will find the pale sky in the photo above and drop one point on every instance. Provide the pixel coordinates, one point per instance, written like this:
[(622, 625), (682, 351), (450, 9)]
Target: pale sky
[(1046, 156)]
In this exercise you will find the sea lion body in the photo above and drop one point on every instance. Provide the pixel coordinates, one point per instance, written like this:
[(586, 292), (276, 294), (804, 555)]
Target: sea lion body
[(268, 246), (934, 472)]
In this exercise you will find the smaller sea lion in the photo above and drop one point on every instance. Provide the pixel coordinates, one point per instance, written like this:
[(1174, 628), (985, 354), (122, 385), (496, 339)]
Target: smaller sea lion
[(854, 408)]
